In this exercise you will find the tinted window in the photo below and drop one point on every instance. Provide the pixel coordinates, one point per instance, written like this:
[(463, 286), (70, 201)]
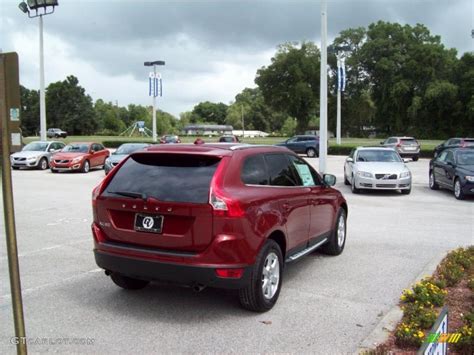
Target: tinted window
[(410, 141), (76, 148), (307, 175), (254, 171), (465, 157), (378, 155), (226, 139), (166, 177), (468, 143), (442, 156), (281, 171), (450, 157)]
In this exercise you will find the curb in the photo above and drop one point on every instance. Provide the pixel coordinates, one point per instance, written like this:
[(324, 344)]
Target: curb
[(388, 323)]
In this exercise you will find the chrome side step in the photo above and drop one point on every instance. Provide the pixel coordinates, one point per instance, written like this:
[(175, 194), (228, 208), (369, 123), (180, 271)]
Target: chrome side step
[(305, 251)]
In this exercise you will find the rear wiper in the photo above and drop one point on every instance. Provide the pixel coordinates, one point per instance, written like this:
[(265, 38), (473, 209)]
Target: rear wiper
[(130, 194)]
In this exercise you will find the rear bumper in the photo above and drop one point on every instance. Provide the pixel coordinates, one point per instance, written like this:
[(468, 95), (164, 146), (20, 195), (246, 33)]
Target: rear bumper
[(152, 270)]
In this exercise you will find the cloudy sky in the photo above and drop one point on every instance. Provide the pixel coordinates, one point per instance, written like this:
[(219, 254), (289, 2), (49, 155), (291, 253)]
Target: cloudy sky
[(212, 48)]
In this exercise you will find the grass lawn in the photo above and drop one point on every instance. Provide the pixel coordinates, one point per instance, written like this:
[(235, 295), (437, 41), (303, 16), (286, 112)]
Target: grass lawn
[(346, 142)]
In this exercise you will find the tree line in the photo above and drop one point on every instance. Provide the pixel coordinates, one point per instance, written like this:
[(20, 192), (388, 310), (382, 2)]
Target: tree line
[(401, 80)]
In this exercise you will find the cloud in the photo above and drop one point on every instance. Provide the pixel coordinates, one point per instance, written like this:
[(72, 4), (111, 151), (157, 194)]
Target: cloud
[(212, 49)]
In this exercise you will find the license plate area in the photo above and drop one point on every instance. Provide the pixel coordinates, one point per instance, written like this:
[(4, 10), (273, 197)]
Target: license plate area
[(148, 223)]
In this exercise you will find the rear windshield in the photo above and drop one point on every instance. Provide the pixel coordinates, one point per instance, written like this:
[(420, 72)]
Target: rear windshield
[(408, 141), (226, 139), (165, 177), (468, 142)]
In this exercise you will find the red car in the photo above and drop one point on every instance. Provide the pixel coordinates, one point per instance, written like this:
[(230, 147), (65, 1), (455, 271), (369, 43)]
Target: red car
[(79, 157), (227, 216)]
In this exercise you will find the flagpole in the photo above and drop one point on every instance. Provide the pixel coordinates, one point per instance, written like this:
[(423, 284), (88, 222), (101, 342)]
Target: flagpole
[(340, 83), (323, 107)]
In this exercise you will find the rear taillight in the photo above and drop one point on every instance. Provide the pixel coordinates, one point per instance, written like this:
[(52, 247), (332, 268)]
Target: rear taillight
[(230, 273), (222, 204)]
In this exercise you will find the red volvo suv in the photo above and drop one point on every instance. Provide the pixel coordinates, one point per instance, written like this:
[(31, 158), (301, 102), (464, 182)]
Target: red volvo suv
[(219, 215)]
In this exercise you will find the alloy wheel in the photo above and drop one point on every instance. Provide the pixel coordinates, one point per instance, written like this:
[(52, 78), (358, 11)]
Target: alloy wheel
[(270, 276), (341, 231)]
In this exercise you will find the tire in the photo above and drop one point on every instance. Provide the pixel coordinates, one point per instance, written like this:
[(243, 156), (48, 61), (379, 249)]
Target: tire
[(354, 189), (54, 171), (458, 190), (311, 153), (43, 164), (253, 297), (406, 191), (415, 158), (85, 167), (346, 182), (432, 183), (56, 136), (15, 168), (337, 240), (128, 283)]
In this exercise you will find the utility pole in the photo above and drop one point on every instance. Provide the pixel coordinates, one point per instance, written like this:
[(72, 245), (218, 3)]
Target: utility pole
[(323, 109), (243, 127)]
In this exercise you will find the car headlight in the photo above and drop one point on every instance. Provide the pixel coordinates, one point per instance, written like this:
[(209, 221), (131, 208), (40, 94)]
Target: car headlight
[(32, 158), (365, 174), (77, 160), (405, 174), (470, 178)]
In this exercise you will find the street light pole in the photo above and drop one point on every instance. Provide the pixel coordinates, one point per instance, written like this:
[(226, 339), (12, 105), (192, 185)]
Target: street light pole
[(40, 8), (154, 92), (42, 91), (338, 128), (323, 109), (154, 111)]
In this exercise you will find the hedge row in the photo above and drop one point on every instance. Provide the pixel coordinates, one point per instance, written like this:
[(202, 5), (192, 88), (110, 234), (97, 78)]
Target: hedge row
[(332, 150), (346, 150)]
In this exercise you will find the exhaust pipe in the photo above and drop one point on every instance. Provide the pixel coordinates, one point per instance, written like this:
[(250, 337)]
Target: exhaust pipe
[(198, 287)]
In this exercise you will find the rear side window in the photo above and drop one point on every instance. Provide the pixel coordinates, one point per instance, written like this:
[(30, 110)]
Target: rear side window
[(254, 171), (165, 177), (281, 171)]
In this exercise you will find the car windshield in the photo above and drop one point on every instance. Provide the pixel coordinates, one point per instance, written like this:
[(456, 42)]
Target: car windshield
[(76, 148), (36, 146), (465, 157), (226, 139), (378, 155), (126, 149), (170, 139)]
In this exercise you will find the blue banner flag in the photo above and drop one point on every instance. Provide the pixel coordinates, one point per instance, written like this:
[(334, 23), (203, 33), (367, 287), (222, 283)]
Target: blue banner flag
[(155, 86)]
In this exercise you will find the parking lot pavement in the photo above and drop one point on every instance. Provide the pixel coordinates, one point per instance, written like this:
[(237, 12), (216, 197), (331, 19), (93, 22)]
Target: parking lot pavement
[(327, 304)]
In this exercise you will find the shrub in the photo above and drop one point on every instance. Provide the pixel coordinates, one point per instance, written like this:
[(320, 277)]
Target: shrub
[(409, 334), (425, 293), (466, 342), (424, 317)]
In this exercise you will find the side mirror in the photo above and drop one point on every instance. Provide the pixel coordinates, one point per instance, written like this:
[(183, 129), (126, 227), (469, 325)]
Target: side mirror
[(349, 160), (51, 150), (329, 180)]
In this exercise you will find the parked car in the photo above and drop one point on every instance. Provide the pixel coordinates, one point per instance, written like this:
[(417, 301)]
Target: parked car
[(121, 153), (376, 169), (35, 155), (227, 216), (169, 139), (453, 143), (56, 133), (79, 157), (229, 139), (453, 169), (407, 147), (306, 144)]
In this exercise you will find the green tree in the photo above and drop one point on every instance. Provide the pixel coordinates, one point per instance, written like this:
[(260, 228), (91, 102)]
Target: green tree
[(289, 127), (290, 84), (209, 112), (29, 111), (70, 108)]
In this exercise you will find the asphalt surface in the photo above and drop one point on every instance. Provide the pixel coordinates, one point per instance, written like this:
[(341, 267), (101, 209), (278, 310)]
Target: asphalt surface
[(327, 304)]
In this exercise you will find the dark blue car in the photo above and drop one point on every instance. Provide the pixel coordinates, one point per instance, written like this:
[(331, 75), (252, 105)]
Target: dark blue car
[(306, 144), (453, 169)]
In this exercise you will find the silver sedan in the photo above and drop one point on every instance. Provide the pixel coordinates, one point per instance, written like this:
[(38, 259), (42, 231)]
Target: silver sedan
[(376, 169), (35, 155)]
